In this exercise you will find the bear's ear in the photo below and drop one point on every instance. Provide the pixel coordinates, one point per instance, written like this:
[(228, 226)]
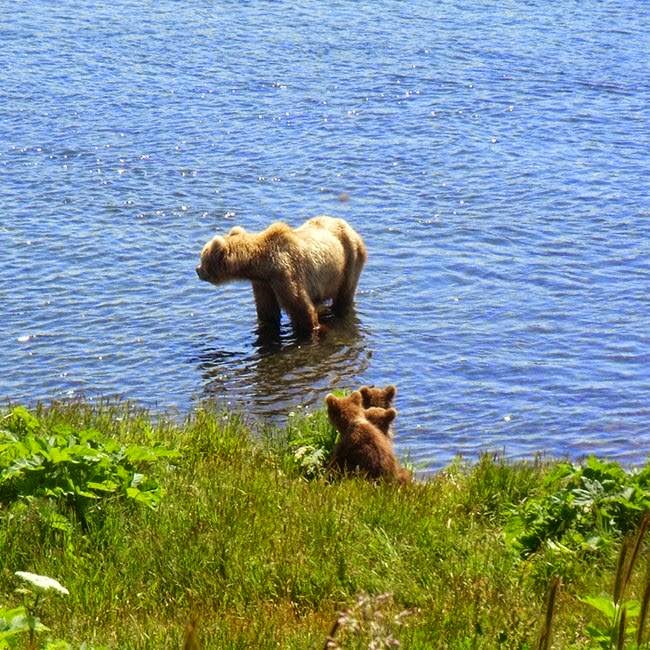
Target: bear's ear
[(355, 398), (218, 243), (365, 393), (236, 230), (217, 251), (390, 392), (380, 417), (334, 409), (332, 402)]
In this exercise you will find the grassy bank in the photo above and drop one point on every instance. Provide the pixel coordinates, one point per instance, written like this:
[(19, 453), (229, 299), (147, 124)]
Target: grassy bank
[(208, 534)]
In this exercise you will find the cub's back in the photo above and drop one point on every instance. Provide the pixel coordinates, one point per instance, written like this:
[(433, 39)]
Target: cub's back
[(364, 446)]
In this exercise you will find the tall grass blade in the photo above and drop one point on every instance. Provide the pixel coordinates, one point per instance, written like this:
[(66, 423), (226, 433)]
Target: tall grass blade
[(545, 637), (645, 603), (620, 634), (620, 571), (636, 547)]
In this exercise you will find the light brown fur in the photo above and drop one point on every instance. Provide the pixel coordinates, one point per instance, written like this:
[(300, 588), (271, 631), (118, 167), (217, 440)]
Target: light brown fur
[(294, 269), (362, 447)]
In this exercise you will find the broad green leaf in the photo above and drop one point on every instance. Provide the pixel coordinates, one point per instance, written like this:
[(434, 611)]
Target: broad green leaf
[(150, 499), (59, 455), (602, 604), (104, 486)]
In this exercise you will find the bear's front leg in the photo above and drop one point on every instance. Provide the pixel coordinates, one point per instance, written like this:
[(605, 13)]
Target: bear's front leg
[(266, 304)]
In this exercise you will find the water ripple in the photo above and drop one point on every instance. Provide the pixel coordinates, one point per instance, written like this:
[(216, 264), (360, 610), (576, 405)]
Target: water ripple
[(494, 160)]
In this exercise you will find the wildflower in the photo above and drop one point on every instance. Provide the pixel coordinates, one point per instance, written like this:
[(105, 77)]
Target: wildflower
[(42, 582)]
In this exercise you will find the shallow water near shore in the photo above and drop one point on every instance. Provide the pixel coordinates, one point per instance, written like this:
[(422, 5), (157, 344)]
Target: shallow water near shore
[(494, 160)]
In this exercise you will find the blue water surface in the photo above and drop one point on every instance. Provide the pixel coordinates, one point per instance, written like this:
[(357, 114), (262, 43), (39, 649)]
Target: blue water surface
[(495, 159)]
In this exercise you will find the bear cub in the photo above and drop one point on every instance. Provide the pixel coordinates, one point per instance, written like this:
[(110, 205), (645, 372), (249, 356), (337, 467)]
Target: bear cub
[(364, 445), (375, 402), (381, 397)]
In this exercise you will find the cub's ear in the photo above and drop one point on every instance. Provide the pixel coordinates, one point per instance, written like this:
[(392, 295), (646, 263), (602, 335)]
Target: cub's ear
[(236, 230), (390, 391), (332, 402), (355, 398), (390, 415), (333, 407), (365, 392)]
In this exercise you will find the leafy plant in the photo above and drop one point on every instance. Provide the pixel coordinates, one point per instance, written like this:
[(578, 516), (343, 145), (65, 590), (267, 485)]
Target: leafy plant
[(619, 614), (310, 441), (73, 467), (583, 507), (14, 622)]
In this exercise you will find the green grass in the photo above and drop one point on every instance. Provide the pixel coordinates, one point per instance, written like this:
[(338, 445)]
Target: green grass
[(257, 548)]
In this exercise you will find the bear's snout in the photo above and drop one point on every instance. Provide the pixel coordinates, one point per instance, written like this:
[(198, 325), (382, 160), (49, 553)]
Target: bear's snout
[(201, 273)]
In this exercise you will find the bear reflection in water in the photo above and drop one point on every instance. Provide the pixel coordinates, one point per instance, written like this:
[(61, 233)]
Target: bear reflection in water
[(280, 372), (292, 269)]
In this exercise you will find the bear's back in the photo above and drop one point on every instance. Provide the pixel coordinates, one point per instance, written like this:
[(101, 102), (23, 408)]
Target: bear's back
[(314, 252)]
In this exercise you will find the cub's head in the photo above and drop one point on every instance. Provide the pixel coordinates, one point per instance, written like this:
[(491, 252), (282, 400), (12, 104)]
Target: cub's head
[(211, 267), (343, 410), (381, 397), (381, 418)]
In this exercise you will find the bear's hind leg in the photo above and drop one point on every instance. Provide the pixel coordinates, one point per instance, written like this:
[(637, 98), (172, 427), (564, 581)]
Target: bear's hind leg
[(344, 299), (300, 308), (343, 302), (355, 254)]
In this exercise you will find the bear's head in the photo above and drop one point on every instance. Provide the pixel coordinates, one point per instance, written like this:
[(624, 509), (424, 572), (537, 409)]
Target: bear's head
[(381, 418), (381, 397), (211, 267), (342, 411)]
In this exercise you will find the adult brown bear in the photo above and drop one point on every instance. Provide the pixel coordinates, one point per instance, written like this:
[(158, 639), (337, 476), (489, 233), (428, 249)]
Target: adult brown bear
[(294, 269)]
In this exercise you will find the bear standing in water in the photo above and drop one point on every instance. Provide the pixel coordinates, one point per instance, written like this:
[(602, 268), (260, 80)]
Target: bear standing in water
[(294, 269)]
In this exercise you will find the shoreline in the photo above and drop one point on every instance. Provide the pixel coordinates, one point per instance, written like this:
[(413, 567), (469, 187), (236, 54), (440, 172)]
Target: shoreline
[(157, 528)]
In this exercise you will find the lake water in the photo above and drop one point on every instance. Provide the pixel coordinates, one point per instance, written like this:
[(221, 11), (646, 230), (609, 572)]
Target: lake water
[(496, 161)]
